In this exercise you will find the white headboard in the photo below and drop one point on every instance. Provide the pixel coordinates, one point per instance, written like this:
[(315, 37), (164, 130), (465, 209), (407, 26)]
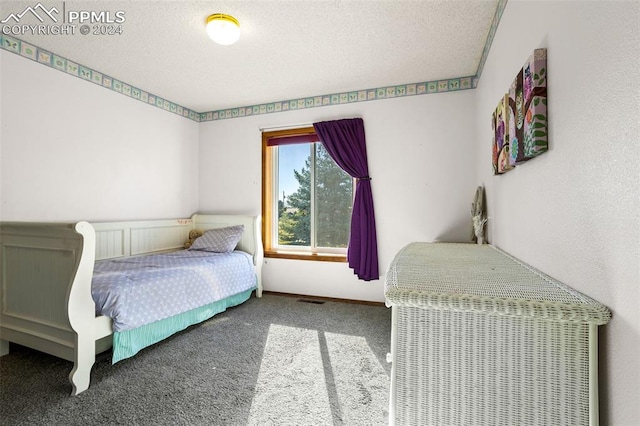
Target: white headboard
[(133, 238), (119, 239)]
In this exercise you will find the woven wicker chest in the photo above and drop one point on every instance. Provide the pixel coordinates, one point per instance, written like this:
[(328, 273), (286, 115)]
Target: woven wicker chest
[(480, 338)]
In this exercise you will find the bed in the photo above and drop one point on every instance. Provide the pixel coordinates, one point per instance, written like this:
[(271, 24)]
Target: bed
[(48, 299)]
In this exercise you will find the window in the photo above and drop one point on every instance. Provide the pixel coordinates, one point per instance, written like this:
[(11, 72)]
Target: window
[(306, 198)]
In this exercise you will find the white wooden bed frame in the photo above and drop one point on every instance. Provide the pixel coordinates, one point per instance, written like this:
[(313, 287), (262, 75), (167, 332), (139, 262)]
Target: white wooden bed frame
[(46, 273)]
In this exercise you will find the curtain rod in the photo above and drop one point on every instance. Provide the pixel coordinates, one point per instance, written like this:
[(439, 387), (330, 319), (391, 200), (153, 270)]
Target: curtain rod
[(286, 126)]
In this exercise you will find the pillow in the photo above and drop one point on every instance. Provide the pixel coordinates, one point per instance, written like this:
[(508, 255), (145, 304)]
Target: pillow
[(220, 240)]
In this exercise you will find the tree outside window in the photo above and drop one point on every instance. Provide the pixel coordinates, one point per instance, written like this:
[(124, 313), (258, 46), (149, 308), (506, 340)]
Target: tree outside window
[(315, 217)]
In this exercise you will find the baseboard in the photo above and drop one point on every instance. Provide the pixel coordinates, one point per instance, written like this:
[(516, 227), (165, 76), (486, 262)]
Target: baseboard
[(325, 299)]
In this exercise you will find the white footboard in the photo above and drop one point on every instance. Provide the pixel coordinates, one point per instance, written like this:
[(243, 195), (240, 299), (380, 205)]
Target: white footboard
[(46, 293)]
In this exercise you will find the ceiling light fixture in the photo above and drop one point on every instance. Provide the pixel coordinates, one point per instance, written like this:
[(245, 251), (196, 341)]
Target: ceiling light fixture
[(223, 29)]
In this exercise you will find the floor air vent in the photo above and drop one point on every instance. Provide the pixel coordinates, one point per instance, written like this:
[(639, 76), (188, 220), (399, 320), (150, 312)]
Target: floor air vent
[(315, 302)]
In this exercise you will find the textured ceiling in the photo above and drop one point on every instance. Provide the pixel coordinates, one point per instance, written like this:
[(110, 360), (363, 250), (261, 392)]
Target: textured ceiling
[(288, 49)]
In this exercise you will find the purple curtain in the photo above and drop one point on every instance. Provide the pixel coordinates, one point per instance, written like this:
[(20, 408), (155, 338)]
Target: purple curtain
[(344, 141)]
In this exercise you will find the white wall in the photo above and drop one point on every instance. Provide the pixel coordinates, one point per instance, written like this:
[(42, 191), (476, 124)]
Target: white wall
[(574, 212), (422, 179), (72, 150)]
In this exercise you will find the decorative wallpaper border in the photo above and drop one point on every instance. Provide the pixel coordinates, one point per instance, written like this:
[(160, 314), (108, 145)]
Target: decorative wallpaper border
[(60, 63), (453, 84), (487, 45), (37, 54)]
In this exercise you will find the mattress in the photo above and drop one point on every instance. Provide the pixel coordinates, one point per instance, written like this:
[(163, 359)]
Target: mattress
[(137, 291)]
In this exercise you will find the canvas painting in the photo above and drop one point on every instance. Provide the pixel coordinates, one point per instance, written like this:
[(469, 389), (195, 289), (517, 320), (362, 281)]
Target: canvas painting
[(500, 128), (528, 110)]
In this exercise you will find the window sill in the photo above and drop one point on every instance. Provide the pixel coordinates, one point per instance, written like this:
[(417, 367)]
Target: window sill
[(320, 257)]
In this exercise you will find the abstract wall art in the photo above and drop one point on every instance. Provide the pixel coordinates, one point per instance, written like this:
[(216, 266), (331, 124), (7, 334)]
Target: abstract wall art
[(500, 126), (528, 109), (523, 115)]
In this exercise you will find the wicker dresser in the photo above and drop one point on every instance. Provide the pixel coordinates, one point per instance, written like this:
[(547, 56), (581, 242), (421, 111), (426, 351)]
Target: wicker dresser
[(480, 338)]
